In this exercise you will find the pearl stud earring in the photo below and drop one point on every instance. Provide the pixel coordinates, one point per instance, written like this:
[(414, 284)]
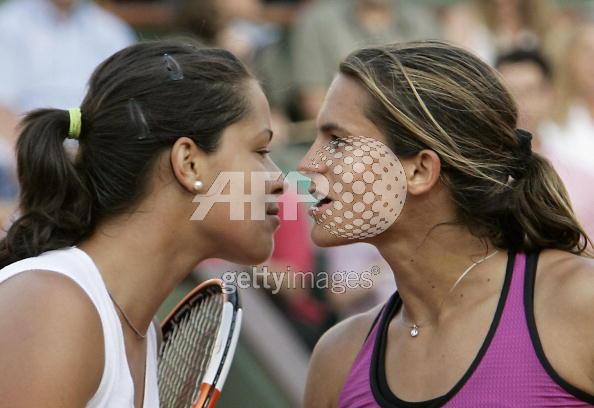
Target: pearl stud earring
[(198, 185)]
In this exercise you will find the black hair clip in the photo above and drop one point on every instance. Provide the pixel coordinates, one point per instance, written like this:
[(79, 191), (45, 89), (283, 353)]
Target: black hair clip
[(138, 120), (173, 68), (524, 142), (524, 153)]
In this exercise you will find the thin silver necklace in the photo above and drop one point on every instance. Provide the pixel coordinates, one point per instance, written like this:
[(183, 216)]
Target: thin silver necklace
[(414, 327), (142, 336)]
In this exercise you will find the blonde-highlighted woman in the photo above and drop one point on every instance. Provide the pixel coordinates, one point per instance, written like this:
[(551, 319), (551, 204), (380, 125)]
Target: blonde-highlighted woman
[(494, 296)]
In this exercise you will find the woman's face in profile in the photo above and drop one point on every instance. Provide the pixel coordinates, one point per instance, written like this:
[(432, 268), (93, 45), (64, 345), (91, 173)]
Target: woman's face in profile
[(242, 187), (361, 183)]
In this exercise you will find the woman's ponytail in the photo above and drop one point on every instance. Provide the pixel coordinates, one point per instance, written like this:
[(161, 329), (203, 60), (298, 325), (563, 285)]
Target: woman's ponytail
[(541, 206), (55, 205)]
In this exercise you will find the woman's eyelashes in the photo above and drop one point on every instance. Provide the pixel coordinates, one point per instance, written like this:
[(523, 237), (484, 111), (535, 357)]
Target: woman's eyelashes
[(335, 140), (263, 152)]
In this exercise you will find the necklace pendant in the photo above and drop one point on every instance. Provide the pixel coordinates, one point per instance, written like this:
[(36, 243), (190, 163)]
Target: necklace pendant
[(414, 331)]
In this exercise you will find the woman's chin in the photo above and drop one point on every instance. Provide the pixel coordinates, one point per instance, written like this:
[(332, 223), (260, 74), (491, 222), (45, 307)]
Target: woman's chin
[(259, 253), (324, 239), (248, 253)]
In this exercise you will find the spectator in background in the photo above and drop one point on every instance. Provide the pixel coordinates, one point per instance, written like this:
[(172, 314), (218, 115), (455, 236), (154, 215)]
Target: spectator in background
[(490, 27), (231, 24), (528, 76), (49, 49), (573, 132), (329, 30)]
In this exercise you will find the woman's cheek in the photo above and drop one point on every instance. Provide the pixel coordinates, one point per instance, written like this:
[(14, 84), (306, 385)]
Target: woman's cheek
[(367, 184)]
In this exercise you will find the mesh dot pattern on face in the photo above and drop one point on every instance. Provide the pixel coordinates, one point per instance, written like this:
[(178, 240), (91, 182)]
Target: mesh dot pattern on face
[(368, 187)]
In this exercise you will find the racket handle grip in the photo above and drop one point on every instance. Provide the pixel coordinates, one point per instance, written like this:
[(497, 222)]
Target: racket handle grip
[(205, 389)]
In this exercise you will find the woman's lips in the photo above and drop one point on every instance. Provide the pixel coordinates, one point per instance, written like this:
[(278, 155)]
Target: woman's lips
[(320, 207), (272, 211), (273, 215)]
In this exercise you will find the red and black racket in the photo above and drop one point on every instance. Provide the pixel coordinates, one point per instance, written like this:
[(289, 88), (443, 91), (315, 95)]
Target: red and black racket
[(199, 339)]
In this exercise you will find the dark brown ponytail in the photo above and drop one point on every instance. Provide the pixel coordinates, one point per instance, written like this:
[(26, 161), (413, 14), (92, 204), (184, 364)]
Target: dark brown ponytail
[(54, 202)]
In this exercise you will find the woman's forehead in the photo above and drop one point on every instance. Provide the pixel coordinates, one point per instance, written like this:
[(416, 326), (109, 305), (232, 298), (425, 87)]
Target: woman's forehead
[(344, 110)]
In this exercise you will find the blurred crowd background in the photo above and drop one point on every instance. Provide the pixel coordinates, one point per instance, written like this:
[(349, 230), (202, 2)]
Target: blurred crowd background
[(544, 51)]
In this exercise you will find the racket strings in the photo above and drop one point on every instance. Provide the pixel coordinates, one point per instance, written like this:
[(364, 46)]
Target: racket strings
[(187, 349), (188, 355)]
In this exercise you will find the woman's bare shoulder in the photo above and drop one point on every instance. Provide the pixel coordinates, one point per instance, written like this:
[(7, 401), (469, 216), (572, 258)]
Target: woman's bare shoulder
[(333, 357), (563, 305), (51, 338), (569, 276)]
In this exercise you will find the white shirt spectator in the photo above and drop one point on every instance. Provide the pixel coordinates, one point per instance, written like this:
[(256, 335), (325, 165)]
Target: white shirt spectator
[(48, 57), (570, 148), (574, 140)]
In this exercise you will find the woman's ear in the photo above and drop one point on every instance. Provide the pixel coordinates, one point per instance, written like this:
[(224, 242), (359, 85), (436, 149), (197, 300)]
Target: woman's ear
[(422, 171), (188, 162)]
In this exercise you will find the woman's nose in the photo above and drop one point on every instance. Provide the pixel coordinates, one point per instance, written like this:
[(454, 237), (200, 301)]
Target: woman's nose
[(311, 162)]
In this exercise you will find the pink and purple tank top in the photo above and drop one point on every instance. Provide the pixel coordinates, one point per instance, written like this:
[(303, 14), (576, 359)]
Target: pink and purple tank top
[(510, 369)]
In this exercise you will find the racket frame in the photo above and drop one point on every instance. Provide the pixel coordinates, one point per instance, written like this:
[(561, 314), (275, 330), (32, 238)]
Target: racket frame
[(217, 370)]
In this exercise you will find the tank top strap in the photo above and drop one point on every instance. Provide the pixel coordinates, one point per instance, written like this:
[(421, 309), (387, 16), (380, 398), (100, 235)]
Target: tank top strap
[(356, 390), (116, 388)]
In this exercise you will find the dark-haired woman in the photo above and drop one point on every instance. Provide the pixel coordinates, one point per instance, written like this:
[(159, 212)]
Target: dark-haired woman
[(495, 296), (106, 235)]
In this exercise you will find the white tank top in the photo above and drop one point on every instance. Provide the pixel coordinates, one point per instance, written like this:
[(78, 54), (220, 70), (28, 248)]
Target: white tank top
[(116, 389)]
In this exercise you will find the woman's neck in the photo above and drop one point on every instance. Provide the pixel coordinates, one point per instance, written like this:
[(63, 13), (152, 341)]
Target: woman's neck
[(426, 268), (141, 264)]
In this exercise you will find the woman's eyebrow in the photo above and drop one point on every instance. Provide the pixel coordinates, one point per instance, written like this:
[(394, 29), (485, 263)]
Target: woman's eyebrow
[(331, 127), (266, 132)]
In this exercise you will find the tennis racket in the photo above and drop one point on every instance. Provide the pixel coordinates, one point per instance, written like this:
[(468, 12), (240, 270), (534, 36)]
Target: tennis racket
[(199, 339)]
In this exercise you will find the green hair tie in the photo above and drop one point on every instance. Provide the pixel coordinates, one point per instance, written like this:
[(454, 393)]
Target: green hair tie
[(75, 123)]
